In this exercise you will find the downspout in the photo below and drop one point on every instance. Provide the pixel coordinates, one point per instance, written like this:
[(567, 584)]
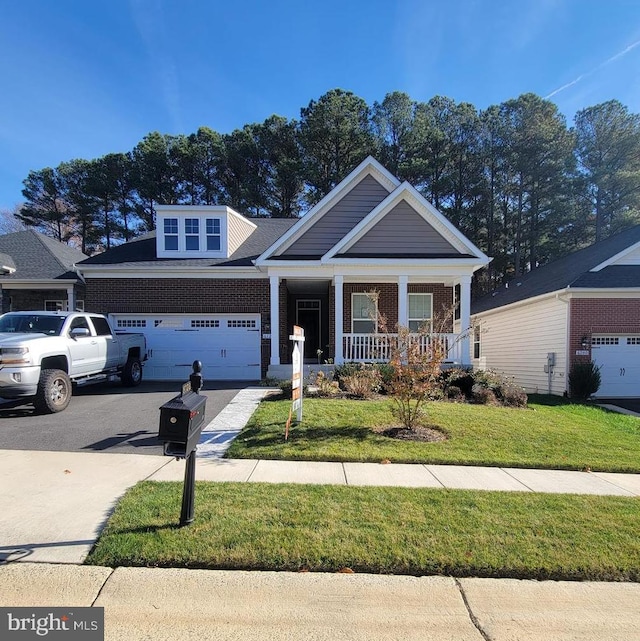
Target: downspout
[(567, 339)]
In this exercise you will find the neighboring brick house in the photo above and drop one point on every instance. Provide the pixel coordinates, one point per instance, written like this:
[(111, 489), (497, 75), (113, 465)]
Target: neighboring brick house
[(214, 285), (583, 306), (38, 272)]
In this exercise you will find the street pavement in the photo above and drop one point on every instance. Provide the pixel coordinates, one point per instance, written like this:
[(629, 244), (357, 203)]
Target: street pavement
[(53, 506)]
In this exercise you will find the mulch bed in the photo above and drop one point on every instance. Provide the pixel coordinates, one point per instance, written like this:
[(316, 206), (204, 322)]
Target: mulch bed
[(423, 434)]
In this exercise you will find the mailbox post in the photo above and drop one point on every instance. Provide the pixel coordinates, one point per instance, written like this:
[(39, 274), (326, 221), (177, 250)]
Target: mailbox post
[(181, 423)]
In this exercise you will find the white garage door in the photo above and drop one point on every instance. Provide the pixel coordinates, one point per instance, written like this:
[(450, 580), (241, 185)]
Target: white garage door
[(619, 360), (228, 345)]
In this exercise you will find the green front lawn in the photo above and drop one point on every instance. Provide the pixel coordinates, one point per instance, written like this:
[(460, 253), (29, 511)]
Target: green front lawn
[(550, 433), (381, 530)]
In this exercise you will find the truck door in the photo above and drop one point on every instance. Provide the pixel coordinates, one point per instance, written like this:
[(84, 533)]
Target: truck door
[(108, 343), (84, 350)]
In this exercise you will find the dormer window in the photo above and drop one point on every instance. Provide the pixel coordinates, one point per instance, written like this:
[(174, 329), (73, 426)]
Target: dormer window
[(200, 231), (171, 234), (192, 234), (213, 234)]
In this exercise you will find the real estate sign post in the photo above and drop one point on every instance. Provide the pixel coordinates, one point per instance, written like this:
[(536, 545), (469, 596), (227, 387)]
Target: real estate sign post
[(296, 378)]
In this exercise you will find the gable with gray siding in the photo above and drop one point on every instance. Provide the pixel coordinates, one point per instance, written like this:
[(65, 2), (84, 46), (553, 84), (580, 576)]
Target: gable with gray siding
[(338, 221), (402, 231)]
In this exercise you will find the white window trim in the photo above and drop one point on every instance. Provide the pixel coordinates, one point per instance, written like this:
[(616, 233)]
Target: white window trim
[(420, 320), (207, 235), (354, 319), (61, 305), (187, 235), (477, 342), (166, 235), (182, 251)]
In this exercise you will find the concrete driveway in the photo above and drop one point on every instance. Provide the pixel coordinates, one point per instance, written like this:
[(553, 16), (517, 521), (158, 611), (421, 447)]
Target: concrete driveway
[(105, 417)]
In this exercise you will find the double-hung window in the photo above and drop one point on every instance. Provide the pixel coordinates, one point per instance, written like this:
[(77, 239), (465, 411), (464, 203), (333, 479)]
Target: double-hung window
[(364, 314), (171, 234), (213, 234), (192, 234), (420, 312)]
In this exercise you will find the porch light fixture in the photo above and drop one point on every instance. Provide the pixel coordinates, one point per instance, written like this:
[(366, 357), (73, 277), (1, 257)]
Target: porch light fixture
[(584, 341)]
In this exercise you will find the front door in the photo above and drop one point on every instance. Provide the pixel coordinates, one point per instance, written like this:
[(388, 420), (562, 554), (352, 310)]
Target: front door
[(308, 317)]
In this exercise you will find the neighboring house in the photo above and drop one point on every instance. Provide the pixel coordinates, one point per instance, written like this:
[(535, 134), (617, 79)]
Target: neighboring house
[(38, 272), (213, 285), (583, 306)]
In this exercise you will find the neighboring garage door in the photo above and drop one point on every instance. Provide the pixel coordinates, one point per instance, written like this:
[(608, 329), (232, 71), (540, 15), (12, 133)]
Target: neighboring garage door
[(619, 360), (228, 345)]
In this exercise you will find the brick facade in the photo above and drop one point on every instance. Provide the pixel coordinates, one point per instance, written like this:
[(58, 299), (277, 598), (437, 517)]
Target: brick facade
[(601, 316), (18, 300), (185, 296)]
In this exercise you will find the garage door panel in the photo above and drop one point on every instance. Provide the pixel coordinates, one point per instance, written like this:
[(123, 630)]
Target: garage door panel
[(227, 345), (618, 358)]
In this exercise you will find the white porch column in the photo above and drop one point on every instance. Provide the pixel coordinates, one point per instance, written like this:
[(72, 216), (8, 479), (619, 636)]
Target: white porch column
[(338, 283), (465, 318), (274, 296), (71, 299), (403, 302)]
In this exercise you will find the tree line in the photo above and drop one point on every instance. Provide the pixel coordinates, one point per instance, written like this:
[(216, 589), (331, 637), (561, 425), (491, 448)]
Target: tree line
[(515, 178)]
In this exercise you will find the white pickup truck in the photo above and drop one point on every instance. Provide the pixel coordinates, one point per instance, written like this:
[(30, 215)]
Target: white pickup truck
[(43, 353)]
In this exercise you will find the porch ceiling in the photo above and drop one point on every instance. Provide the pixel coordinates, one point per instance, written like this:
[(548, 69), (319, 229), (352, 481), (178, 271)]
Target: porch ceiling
[(307, 286)]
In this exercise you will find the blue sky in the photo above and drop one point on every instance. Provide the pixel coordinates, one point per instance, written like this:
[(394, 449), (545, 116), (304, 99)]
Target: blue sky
[(82, 78)]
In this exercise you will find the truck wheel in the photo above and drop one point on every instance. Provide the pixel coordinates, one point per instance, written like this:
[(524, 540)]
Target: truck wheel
[(54, 391), (132, 373)]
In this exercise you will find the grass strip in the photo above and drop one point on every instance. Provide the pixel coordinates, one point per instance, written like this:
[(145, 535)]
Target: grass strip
[(376, 530), (549, 434)]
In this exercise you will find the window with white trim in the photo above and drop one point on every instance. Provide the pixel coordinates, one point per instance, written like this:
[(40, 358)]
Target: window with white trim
[(364, 314), (420, 312), (476, 342), (171, 234), (214, 237), (79, 306), (55, 305), (192, 234)]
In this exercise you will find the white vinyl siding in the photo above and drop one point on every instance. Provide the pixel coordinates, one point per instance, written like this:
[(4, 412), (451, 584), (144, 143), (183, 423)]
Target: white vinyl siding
[(516, 342)]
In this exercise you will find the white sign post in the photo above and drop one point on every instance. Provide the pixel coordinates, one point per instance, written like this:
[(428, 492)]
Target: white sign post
[(296, 378)]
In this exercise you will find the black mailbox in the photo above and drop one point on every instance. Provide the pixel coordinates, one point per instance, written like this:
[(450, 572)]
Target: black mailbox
[(182, 418), (181, 423)]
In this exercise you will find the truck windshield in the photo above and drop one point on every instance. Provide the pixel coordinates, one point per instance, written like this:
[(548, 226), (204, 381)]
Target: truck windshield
[(31, 324)]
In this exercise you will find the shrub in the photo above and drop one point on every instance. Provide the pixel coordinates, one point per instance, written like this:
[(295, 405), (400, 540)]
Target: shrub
[(462, 379), (454, 393), (326, 387), (584, 380), (346, 369), (503, 390), (363, 383)]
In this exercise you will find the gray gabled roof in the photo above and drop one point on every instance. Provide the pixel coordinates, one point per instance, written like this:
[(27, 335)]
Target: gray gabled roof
[(38, 257), (141, 252), (572, 271)]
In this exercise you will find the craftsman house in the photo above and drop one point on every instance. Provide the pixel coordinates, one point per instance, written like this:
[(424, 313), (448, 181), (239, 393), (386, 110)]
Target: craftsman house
[(213, 285), (584, 306)]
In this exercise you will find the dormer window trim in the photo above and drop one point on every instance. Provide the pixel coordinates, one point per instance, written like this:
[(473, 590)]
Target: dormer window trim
[(192, 234)]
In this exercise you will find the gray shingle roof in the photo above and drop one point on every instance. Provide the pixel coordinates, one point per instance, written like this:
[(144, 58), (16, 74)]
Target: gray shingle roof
[(572, 271), (38, 257), (141, 252)]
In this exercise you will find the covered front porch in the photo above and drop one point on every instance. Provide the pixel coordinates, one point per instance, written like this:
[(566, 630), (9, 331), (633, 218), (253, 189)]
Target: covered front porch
[(339, 328)]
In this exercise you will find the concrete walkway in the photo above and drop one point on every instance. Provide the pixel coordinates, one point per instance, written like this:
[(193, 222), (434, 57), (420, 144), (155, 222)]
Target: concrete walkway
[(53, 505)]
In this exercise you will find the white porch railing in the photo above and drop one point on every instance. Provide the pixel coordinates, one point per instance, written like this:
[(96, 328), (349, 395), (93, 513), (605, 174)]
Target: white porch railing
[(375, 348)]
